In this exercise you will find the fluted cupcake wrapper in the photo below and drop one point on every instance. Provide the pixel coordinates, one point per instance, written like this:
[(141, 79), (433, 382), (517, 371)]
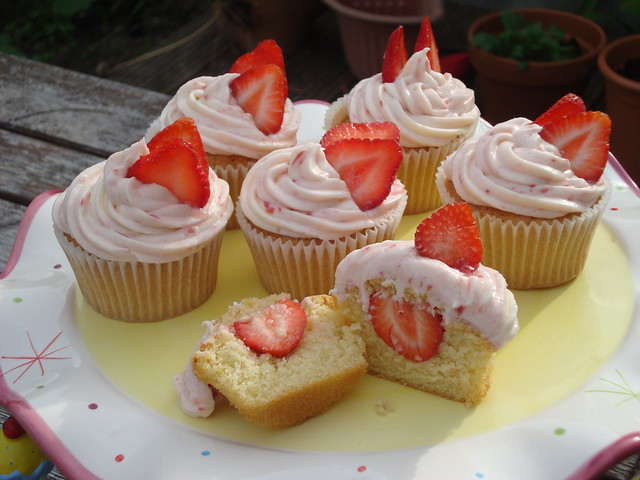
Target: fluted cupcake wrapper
[(233, 169), (306, 266), (336, 113), (144, 292), (538, 252), (418, 172)]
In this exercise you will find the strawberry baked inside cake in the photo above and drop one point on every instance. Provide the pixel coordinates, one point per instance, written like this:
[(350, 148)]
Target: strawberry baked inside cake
[(432, 315), (279, 362)]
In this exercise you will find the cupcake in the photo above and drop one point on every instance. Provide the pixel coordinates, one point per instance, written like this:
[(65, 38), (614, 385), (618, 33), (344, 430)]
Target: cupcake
[(303, 209), (142, 230), (434, 111), (20, 457), (241, 115), (432, 315), (273, 359), (536, 190)]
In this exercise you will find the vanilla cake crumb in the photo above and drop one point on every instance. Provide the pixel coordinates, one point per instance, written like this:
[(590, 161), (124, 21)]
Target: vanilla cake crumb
[(383, 406)]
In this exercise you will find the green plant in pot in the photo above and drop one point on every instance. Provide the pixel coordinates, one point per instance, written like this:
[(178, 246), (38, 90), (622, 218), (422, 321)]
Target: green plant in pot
[(527, 41), (526, 59)]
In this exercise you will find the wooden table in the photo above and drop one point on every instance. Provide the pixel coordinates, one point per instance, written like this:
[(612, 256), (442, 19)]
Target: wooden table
[(53, 124)]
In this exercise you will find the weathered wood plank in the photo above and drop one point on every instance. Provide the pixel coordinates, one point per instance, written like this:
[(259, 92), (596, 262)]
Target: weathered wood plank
[(29, 167), (10, 216), (53, 103)]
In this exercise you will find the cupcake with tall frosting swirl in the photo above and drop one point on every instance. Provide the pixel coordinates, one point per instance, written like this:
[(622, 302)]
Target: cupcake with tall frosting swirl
[(434, 111), (299, 216), (536, 208), (144, 249), (237, 131)]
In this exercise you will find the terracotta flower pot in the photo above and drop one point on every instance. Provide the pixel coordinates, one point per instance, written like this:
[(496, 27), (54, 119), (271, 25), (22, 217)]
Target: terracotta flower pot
[(506, 90), (623, 102), (365, 26), (287, 22)]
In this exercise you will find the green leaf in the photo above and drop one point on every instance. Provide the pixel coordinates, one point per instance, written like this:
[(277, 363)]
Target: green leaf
[(527, 42)]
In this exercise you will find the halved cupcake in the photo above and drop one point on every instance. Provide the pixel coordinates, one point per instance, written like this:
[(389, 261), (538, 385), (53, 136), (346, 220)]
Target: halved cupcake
[(432, 315), (273, 359)]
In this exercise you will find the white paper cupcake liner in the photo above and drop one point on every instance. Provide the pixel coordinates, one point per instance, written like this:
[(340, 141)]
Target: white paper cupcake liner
[(234, 174), (302, 266), (144, 292), (539, 253), (336, 114), (417, 172)]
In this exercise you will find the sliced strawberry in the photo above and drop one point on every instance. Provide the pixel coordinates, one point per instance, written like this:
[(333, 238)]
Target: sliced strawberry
[(570, 104), (185, 129), (395, 55), (412, 331), (177, 167), (427, 39), (12, 428), (276, 329), (262, 92), (266, 52), (367, 166), (381, 130), (583, 139), (451, 235)]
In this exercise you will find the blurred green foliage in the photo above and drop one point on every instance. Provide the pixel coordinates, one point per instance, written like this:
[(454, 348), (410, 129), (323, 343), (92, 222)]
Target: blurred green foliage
[(72, 31), (527, 42)]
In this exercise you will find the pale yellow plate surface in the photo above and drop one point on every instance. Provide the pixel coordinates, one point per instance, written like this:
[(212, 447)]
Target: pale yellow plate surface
[(566, 334)]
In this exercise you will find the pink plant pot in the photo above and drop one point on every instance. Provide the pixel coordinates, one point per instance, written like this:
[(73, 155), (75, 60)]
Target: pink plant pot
[(365, 26)]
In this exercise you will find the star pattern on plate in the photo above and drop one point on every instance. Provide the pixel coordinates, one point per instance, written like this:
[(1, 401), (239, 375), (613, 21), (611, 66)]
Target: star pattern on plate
[(37, 358), (624, 389)]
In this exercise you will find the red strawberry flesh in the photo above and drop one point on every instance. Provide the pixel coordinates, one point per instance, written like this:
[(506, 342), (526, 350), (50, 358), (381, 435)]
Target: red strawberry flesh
[(178, 168), (184, 128), (367, 166), (266, 52), (395, 55), (570, 104), (426, 39), (276, 329), (413, 331), (261, 92), (583, 139), (383, 130), (451, 235)]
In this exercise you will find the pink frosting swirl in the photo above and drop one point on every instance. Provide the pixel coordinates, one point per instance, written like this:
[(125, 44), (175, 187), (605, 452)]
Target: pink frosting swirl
[(430, 108), (297, 193), (511, 168), (123, 219), (224, 127)]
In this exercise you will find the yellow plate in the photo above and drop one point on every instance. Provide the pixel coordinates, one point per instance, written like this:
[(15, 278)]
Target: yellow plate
[(566, 334)]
